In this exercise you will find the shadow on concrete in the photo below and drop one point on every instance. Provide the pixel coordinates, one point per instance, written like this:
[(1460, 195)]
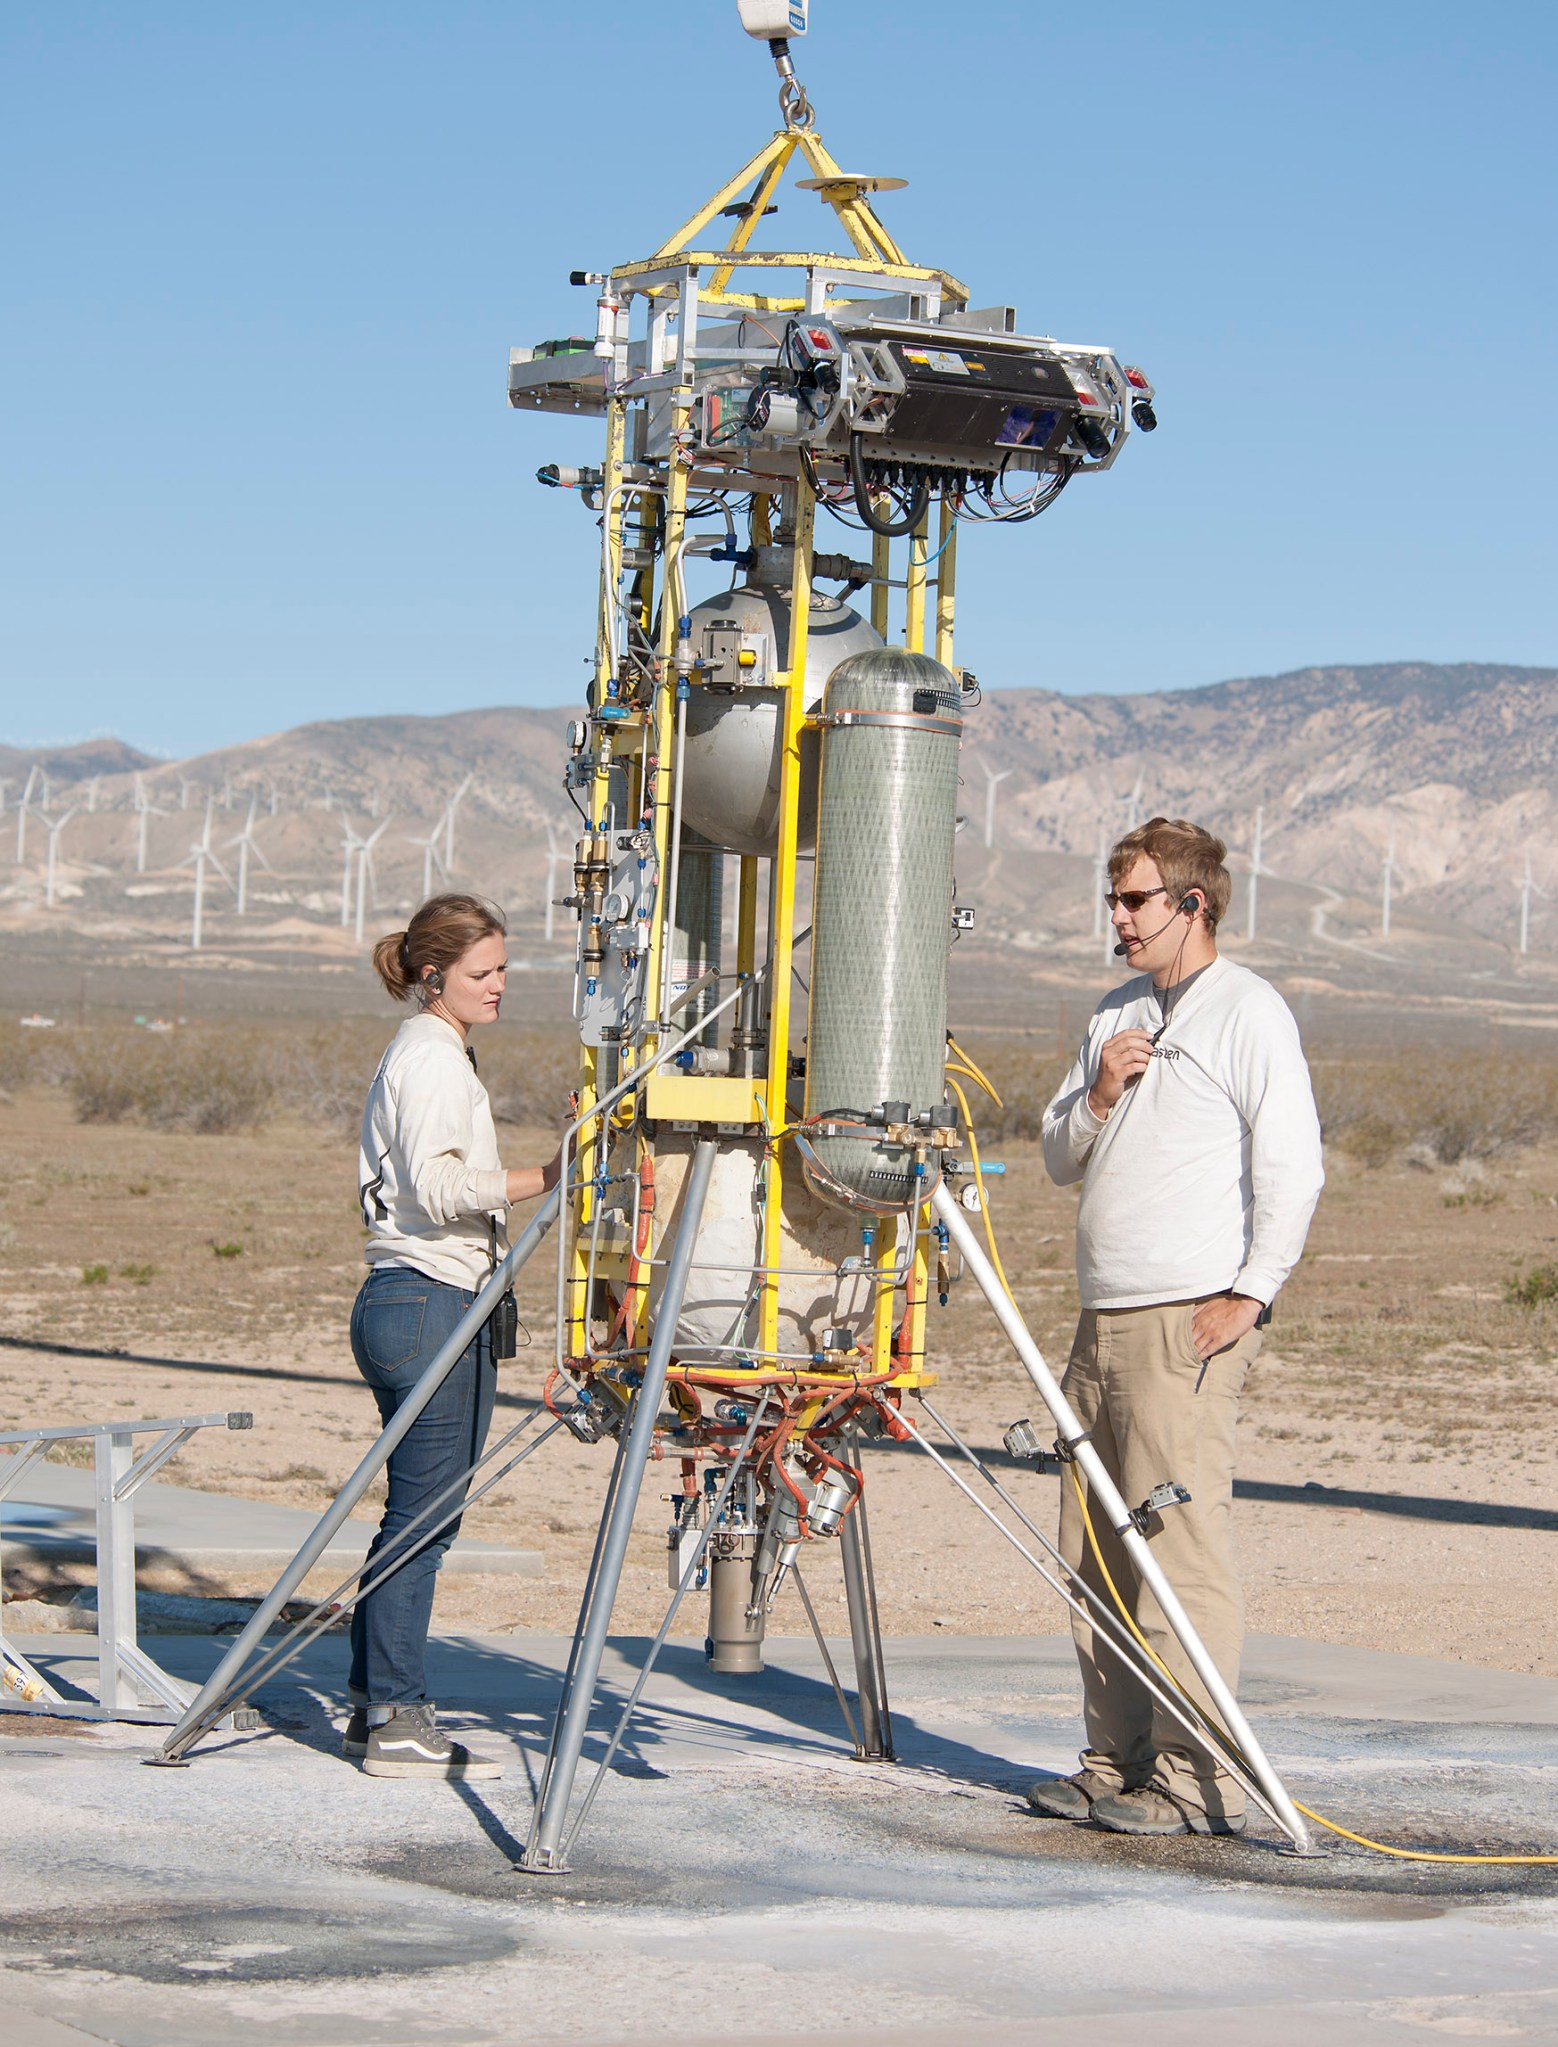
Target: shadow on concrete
[(1411, 1506), (280, 1373), (782, 1712)]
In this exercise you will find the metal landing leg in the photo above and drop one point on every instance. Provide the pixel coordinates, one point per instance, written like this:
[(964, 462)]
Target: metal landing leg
[(545, 1850), (874, 1740)]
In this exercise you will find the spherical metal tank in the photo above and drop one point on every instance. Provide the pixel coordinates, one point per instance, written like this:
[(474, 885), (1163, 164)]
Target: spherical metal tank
[(730, 789), (882, 915)]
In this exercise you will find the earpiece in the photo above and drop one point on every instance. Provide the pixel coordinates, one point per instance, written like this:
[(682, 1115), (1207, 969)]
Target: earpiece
[(1189, 905), (435, 980)]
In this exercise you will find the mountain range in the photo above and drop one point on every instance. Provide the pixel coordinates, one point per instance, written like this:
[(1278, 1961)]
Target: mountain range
[(1451, 771)]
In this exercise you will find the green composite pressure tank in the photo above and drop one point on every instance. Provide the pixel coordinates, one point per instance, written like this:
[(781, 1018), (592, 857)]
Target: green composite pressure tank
[(882, 920)]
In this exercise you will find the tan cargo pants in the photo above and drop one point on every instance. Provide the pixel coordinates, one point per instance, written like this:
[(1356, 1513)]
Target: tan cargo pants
[(1155, 1412)]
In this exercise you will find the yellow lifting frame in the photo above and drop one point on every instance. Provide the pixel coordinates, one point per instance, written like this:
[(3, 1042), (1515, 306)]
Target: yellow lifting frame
[(762, 172), (875, 249)]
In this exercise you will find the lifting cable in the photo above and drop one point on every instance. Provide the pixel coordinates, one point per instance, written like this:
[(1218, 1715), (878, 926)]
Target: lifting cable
[(1331, 1826)]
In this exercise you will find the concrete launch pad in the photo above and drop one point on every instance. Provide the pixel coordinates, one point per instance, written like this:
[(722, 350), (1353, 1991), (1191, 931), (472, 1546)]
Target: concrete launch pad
[(193, 1534), (741, 1876)]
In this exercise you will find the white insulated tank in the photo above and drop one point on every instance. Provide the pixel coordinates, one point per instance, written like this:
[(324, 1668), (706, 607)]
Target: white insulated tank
[(730, 787)]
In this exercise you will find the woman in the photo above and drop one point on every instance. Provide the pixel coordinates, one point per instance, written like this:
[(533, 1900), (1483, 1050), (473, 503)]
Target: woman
[(433, 1198)]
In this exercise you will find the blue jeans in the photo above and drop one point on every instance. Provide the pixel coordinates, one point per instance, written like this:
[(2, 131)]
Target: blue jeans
[(400, 1322)]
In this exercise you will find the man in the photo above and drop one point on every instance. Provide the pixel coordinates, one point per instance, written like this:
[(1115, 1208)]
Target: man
[(1189, 1120)]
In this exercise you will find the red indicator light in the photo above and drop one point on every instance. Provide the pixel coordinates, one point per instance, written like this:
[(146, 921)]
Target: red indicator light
[(820, 339), (1136, 378), (1086, 398)]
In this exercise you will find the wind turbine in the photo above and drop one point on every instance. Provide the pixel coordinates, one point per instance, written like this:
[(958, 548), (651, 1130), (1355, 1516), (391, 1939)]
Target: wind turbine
[(349, 845), (1257, 869), (92, 792), (991, 780), (454, 804), (21, 815), (54, 826), (1133, 808), (1102, 928), (4, 785), (1528, 889), (555, 856), (143, 810), (1387, 876), (246, 844), (203, 855), (185, 785), (430, 854), (365, 871)]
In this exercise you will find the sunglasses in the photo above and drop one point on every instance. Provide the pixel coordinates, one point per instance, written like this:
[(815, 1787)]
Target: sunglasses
[(1133, 898)]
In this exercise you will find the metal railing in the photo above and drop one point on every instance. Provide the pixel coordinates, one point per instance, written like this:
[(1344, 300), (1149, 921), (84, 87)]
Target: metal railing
[(126, 1674)]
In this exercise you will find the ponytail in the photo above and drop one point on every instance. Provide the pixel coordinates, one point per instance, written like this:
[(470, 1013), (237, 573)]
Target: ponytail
[(392, 964)]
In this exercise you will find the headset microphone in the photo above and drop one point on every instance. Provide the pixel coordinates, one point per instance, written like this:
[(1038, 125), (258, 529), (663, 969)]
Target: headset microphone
[(1187, 906)]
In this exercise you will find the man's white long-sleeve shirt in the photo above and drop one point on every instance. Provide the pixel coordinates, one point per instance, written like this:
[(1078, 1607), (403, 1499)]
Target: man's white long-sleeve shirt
[(428, 1165), (1204, 1175)]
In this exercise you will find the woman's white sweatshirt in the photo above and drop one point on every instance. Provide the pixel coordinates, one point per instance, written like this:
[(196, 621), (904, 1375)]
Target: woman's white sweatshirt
[(428, 1167), (1203, 1177)]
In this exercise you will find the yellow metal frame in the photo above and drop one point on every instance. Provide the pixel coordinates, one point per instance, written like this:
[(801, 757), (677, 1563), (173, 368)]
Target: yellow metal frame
[(642, 742), (875, 249)]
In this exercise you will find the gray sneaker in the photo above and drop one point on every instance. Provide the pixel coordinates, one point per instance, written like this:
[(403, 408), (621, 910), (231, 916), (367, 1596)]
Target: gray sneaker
[(1069, 1798), (411, 1745)]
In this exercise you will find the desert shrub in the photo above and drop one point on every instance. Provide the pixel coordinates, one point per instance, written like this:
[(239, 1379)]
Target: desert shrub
[(1371, 1139), (20, 1056), (209, 1081), (105, 1079), (1534, 1288), (1445, 1107), (213, 1085)]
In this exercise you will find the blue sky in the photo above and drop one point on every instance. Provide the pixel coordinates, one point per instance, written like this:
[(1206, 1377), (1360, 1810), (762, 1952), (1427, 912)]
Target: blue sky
[(264, 264)]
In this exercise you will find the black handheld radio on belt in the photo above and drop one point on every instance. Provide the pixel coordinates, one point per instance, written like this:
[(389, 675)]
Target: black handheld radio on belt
[(503, 1322)]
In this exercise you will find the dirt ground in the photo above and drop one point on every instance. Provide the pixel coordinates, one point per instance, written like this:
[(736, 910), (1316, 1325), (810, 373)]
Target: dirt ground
[(1402, 1407)]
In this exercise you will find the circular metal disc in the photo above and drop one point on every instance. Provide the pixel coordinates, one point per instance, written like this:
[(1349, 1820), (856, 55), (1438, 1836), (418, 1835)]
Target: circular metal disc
[(851, 178)]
